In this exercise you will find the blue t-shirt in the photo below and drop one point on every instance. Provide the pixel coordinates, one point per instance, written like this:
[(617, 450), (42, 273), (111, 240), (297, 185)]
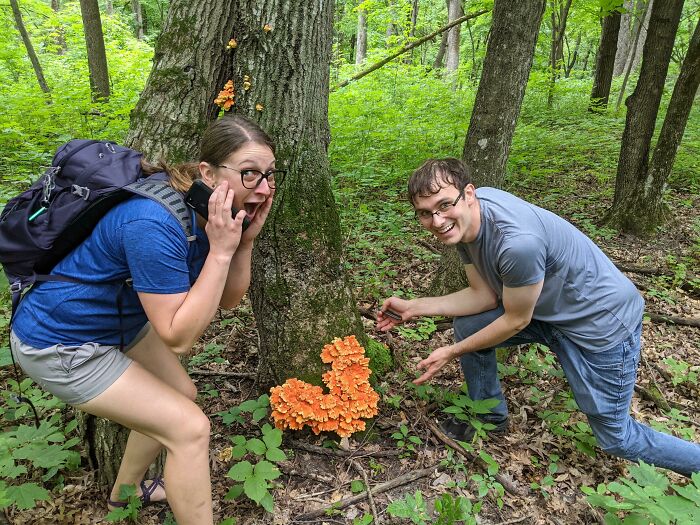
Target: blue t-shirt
[(584, 295), (138, 238)]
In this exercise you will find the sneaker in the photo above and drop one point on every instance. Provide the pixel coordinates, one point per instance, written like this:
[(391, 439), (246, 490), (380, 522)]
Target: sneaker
[(464, 431)]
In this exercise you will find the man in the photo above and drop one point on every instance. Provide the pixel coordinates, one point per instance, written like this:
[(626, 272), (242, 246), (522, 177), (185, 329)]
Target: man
[(533, 277)]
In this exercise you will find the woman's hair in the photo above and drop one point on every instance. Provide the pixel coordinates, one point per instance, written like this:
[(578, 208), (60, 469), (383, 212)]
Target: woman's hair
[(221, 138), (435, 174)]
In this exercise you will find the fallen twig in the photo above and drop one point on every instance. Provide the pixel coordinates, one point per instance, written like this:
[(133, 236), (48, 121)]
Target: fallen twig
[(372, 506), (199, 372), (383, 487), (342, 453), (507, 484)]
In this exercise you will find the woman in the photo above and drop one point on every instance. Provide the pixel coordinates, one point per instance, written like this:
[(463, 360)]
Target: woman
[(66, 336)]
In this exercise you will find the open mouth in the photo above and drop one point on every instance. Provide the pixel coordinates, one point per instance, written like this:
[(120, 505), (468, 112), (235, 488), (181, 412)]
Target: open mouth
[(446, 229), (250, 208)]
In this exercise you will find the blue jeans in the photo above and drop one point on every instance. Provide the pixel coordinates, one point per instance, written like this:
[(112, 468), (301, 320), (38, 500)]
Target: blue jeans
[(602, 383)]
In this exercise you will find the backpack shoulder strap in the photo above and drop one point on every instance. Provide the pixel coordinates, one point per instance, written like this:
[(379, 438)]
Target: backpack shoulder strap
[(172, 200)]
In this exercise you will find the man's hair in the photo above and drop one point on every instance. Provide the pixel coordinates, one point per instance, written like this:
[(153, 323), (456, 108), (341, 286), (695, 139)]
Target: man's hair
[(435, 174)]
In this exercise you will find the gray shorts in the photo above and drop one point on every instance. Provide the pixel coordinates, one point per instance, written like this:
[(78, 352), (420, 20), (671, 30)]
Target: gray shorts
[(74, 374)]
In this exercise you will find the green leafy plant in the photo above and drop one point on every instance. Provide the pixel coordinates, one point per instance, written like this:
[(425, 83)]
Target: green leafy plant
[(411, 507), (468, 410), (257, 408), (681, 372), (488, 483), (451, 510), (648, 497), (28, 453), (128, 494), (406, 442), (210, 354), (547, 482), (424, 328)]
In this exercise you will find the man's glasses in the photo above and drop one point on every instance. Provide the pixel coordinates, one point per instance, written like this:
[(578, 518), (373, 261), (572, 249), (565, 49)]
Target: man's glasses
[(426, 216), (251, 179)]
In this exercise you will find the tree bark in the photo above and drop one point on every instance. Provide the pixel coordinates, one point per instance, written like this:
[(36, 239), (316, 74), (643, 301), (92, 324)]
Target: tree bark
[(632, 51), (624, 38), (361, 47), (96, 55), (628, 210), (437, 63), (635, 54), (506, 68), (605, 62), (671, 134), (572, 57), (454, 11), (30, 48), (138, 18)]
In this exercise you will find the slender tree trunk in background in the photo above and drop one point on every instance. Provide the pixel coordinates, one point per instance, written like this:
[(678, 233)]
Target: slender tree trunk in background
[(584, 66), (109, 7), (509, 55), (605, 62), (437, 63), (54, 5), (361, 47), (138, 18), (624, 38), (560, 15), (96, 55), (651, 200), (572, 57), (414, 18), (632, 51), (635, 56), (628, 210), (454, 11), (19, 23), (59, 32)]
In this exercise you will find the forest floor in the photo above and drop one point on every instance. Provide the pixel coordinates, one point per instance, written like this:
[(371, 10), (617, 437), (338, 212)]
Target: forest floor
[(535, 447)]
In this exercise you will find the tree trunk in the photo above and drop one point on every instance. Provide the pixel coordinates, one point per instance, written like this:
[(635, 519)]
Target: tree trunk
[(628, 212), (625, 36), (631, 52), (95, 44), (605, 62), (437, 63), (414, 18), (300, 294), (560, 15), (30, 48), (635, 55), (454, 11), (671, 134), (361, 47), (138, 18), (572, 57), (506, 68)]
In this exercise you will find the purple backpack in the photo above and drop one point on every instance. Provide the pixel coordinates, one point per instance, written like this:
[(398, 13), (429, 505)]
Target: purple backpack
[(86, 179)]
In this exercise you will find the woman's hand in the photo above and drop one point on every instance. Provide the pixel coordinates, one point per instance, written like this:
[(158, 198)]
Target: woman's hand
[(399, 306), (256, 225), (223, 231)]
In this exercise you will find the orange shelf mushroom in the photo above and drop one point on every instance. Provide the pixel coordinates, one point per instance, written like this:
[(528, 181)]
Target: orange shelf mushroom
[(226, 97), (350, 399)]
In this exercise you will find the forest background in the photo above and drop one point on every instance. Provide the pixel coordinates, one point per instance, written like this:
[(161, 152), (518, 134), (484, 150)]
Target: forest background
[(564, 156)]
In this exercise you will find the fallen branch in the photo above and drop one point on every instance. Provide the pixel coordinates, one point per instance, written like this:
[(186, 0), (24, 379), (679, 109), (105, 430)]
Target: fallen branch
[(672, 319), (383, 487), (198, 372), (342, 453), (408, 47), (507, 484)]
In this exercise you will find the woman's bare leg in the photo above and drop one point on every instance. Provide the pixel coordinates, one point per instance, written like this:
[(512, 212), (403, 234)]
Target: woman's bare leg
[(141, 450), (140, 401)]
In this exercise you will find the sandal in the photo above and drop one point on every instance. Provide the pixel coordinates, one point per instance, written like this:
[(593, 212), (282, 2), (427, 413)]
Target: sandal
[(146, 492)]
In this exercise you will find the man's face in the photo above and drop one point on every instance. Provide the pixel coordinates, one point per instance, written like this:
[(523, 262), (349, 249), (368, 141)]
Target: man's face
[(447, 214)]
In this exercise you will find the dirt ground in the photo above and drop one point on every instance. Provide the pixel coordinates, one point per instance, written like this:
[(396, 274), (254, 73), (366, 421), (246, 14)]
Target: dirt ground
[(314, 477)]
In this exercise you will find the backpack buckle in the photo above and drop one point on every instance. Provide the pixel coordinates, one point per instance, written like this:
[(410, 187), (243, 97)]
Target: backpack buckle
[(80, 191), (16, 287)]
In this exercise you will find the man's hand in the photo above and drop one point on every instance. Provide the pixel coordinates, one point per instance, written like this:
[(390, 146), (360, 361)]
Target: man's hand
[(434, 363), (401, 307)]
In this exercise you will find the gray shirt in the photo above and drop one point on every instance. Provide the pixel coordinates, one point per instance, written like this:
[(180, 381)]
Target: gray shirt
[(584, 295)]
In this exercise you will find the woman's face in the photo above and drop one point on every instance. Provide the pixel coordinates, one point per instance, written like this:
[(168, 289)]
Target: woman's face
[(252, 159)]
